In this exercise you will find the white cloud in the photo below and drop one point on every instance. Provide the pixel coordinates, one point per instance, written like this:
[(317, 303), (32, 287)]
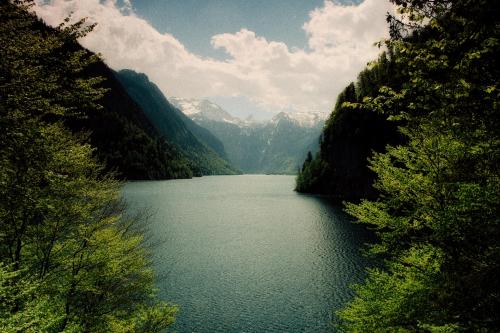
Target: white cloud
[(340, 40), (335, 28)]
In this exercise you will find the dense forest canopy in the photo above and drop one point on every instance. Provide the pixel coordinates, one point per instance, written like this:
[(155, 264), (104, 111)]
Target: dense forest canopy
[(70, 260)]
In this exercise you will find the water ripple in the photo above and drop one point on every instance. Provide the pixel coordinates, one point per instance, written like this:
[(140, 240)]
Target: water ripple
[(247, 254)]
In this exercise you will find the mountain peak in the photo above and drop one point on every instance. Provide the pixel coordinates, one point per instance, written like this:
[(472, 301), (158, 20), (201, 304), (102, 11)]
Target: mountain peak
[(281, 115), (203, 109), (302, 119), (133, 74)]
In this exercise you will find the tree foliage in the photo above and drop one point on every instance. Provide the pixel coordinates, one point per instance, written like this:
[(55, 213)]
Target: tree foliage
[(438, 217), (69, 259), (313, 172)]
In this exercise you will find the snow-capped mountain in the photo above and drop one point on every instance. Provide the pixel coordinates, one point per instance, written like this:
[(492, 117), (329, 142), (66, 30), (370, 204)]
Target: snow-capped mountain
[(203, 109), (188, 106), (206, 110), (276, 146), (303, 119)]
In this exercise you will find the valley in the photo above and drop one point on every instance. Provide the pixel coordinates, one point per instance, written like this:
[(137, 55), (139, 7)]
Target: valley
[(249, 166), (277, 146)]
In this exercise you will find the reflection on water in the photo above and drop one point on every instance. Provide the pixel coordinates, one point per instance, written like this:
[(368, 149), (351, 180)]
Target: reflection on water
[(247, 254)]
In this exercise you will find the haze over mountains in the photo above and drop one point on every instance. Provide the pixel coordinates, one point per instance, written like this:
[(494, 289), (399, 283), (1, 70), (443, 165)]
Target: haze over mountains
[(275, 146)]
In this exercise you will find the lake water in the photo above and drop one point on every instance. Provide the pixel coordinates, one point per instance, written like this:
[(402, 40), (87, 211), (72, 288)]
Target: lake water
[(248, 254)]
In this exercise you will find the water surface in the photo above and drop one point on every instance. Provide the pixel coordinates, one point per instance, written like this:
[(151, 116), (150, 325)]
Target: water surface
[(248, 254)]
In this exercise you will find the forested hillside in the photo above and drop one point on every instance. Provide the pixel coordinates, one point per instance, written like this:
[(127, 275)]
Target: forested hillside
[(70, 261), (351, 134), (126, 140), (438, 213), (199, 146)]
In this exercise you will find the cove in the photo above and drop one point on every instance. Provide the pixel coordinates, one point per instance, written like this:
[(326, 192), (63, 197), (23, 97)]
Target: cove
[(248, 254)]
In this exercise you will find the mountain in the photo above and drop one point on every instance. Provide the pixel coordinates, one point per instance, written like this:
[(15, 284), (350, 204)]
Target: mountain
[(287, 139), (301, 119), (203, 110), (276, 146), (204, 151), (125, 139)]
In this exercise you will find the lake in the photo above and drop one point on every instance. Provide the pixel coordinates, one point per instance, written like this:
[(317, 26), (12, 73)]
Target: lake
[(248, 254)]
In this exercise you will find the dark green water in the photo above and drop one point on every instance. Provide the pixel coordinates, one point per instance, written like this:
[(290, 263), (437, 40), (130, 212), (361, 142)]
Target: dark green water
[(247, 254)]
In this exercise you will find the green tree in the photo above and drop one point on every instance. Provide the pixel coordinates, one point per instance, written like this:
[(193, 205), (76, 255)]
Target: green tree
[(69, 259), (308, 160), (311, 176), (438, 217)]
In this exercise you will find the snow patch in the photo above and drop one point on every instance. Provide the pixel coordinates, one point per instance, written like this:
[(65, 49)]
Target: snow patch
[(208, 110)]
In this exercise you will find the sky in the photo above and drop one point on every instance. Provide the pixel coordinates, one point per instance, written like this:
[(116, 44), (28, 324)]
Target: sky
[(194, 22), (255, 57)]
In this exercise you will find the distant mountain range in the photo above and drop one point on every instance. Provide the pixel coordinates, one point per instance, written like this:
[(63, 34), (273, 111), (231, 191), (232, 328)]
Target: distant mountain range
[(275, 146), (202, 110), (141, 135)]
